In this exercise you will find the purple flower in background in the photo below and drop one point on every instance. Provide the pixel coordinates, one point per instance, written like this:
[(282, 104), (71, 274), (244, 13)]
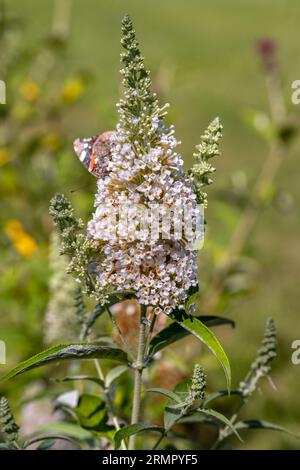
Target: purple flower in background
[(267, 48)]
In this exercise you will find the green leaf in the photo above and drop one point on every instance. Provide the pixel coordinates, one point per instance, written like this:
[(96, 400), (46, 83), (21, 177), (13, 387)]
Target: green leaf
[(93, 317), (219, 394), (108, 432), (114, 373), (175, 332), (131, 429), (69, 429), (91, 412), (219, 417), (204, 334), (64, 352), (51, 437), (182, 388), (165, 392), (171, 416), (4, 446), (214, 320), (258, 424), (90, 378), (173, 407), (46, 445)]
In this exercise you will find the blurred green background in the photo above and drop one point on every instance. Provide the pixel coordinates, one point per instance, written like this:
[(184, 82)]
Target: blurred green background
[(203, 61)]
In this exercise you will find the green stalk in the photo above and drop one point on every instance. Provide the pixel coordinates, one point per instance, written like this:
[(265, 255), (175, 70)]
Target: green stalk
[(163, 435), (139, 367)]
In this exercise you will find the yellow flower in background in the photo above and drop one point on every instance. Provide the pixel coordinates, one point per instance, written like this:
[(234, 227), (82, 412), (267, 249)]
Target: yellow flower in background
[(72, 90), (25, 245), (5, 155), (30, 90), (21, 240)]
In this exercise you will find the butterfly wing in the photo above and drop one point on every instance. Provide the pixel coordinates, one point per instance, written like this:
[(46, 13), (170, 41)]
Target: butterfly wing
[(95, 153), (84, 150)]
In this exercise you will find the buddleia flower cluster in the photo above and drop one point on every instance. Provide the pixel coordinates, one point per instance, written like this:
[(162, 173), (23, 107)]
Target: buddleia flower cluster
[(8, 427), (146, 170), (202, 170), (261, 366), (60, 314), (197, 389)]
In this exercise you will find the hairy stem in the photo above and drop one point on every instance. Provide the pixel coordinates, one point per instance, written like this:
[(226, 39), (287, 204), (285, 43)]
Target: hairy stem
[(139, 366)]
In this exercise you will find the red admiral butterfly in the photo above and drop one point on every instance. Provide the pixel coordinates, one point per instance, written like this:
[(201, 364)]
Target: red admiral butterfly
[(95, 153)]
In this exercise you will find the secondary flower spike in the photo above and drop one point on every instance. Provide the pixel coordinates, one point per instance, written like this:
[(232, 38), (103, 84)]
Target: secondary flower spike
[(144, 169)]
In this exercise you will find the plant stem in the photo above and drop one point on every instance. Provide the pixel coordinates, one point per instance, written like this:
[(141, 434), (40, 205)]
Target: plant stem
[(99, 370), (109, 400), (139, 366), (233, 419), (159, 441)]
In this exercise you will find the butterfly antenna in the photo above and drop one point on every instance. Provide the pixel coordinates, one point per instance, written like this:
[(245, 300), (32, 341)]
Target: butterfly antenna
[(78, 189)]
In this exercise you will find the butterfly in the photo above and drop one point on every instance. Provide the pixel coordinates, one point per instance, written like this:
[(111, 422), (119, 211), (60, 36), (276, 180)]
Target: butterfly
[(95, 153)]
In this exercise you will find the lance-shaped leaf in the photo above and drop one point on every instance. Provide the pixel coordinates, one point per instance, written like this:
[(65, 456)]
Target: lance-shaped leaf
[(91, 319), (171, 415), (258, 424), (69, 429), (195, 326), (132, 429), (221, 418), (46, 444), (71, 378), (173, 407), (50, 437), (166, 393), (175, 332), (64, 352), (4, 446)]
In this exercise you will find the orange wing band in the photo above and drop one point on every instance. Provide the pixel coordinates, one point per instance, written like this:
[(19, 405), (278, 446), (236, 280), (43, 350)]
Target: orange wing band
[(92, 162)]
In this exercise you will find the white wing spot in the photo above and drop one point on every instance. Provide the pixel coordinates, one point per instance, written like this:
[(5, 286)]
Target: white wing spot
[(82, 156)]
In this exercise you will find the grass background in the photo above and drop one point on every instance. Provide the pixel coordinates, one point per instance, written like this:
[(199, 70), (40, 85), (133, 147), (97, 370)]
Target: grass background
[(203, 51)]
